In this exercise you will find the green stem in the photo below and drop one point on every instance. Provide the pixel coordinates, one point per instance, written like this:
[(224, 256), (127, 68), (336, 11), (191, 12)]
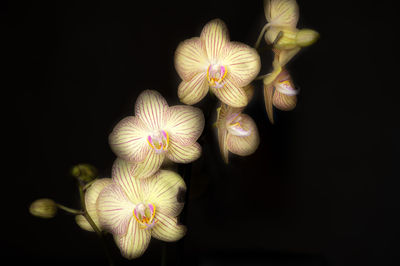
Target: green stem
[(261, 35), (92, 224), (261, 77), (67, 209)]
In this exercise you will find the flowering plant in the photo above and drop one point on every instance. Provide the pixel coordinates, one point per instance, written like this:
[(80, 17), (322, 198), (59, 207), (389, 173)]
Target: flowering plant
[(142, 199)]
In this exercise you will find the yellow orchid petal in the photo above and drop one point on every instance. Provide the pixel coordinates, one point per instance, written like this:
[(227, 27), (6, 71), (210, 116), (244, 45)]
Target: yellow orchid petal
[(167, 228), (231, 94), (281, 12), (150, 165), (184, 124), (286, 55), (244, 145), (190, 58), (184, 154), (151, 108), (249, 90), (193, 91), (243, 63), (123, 174), (91, 196), (135, 242), (114, 209), (166, 190), (222, 139), (284, 102), (268, 93), (128, 139), (214, 36)]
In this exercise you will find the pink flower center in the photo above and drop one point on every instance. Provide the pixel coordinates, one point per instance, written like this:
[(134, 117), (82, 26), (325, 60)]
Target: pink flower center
[(235, 126), (286, 87), (215, 75), (158, 141), (144, 215)]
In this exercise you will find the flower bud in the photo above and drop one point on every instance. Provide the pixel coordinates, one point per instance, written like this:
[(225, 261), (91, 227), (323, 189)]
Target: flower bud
[(287, 39), (306, 37), (43, 208), (84, 172)]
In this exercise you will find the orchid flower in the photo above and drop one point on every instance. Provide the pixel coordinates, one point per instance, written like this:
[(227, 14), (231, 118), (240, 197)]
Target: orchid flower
[(279, 91), (134, 209), (212, 61), (282, 17), (91, 196), (237, 132), (157, 131)]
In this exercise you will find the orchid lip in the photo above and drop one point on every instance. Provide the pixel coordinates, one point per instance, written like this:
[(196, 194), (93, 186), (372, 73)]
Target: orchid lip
[(159, 141), (235, 126), (216, 74), (144, 214), (286, 87)]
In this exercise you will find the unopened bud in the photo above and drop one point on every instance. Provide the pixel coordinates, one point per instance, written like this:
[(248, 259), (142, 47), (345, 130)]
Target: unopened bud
[(306, 37), (281, 38), (43, 208), (84, 172)]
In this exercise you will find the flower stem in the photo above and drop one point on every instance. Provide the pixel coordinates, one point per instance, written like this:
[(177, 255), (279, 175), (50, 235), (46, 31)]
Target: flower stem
[(92, 224), (67, 209), (260, 35)]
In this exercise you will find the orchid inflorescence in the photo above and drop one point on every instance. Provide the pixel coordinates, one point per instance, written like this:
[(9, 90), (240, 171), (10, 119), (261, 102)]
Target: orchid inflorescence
[(140, 200)]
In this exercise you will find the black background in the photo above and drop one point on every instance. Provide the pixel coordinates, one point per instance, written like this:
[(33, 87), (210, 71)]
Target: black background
[(322, 188)]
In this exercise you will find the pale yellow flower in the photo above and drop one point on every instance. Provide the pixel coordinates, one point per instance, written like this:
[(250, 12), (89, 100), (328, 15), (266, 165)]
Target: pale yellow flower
[(282, 17), (212, 61), (237, 132), (157, 131), (134, 210), (279, 92), (91, 196)]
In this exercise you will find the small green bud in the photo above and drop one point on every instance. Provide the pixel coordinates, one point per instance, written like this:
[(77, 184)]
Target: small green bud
[(43, 208), (306, 37), (84, 172)]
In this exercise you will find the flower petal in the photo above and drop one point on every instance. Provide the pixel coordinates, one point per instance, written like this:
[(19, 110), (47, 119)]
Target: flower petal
[(243, 63), (190, 58), (135, 242), (123, 174), (244, 145), (151, 108), (231, 94), (128, 139), (183, 154), (193, 91), (281, 12), (167, 228), (268, 93), (222, 137), (149, 166), (91, 196), (214, 36), (115, 210), (286, 55), (165, 190), (184, 124)]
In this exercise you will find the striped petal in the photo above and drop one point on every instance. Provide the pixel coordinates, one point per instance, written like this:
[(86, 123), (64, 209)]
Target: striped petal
[(268, 93), (135, 242), (193, 91), (115, 210), (184, 154), (284, 102), (190, 58), (165, 190), (243, 63), (91, 195), (244, 145), (123, 174), (184, 124), (128, 139), (167, 228), (151, 108), (231, 94), (281, 12), (222, 139), (149, 166), (214, 36)]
